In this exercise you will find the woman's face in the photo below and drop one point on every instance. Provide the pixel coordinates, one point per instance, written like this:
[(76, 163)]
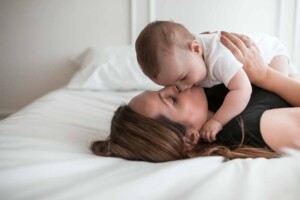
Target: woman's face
[(188, 107)]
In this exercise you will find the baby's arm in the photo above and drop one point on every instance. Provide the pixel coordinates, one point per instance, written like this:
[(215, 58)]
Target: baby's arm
[(234, 103)]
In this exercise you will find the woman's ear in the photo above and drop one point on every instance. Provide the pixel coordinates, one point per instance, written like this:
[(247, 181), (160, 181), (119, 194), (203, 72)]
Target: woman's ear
[(195, 47), (190, 139)]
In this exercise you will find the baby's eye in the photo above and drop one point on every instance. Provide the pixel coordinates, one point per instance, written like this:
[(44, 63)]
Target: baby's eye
[(183, 78)]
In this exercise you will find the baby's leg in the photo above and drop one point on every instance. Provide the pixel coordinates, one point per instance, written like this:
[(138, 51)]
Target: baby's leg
[(280, 64), (295, 76)]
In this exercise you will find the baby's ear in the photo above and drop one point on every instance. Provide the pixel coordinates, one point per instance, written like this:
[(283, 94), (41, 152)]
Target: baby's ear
[(190, 139), (196, 47)]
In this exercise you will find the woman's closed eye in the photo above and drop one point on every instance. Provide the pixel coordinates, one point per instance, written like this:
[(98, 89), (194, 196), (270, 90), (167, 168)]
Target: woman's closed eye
[(173, 99)]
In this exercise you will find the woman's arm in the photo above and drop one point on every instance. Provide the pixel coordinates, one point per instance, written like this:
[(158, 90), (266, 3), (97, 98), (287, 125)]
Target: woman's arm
[(280, 128), (258, 72)]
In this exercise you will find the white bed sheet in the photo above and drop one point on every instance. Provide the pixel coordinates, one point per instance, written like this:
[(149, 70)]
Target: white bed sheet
[(44, 154)]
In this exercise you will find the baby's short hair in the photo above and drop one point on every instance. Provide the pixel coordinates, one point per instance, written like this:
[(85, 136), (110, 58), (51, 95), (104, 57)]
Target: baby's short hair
[(158, 37)]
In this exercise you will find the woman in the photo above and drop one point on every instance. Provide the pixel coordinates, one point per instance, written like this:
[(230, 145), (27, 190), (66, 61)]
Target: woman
[(158, 126)]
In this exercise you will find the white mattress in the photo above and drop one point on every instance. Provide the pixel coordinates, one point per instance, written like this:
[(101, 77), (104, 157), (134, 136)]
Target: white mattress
[(44, 154)]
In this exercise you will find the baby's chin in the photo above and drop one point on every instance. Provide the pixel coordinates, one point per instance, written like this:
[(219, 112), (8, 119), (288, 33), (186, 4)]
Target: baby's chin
[(198, 84), (192, 90), (198, 87)]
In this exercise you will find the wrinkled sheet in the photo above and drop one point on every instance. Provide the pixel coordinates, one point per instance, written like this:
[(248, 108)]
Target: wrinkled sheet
[(44, 154)]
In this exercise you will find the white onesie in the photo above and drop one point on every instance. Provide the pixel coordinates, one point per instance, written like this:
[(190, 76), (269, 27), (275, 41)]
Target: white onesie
[(221, 63)]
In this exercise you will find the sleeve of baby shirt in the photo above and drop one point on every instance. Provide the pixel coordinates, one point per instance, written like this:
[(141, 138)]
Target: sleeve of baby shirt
[(225, 65)]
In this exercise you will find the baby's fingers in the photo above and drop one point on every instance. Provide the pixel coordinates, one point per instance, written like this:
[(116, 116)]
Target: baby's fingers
[(212, 136), (207, 135), (204, 135)]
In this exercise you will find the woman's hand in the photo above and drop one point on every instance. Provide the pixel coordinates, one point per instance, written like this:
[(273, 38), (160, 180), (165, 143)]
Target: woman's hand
[(258, 72), (246, 51)]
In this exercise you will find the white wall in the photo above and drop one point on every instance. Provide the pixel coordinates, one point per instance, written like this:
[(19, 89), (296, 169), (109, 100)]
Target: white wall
[(38, 38), (230, 15), (274, 17)]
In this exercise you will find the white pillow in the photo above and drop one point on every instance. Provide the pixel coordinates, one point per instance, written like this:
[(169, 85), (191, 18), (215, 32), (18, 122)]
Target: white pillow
[(110, 68)]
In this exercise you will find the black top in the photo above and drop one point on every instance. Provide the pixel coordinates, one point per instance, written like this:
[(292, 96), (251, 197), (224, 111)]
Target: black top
[(260, 101)]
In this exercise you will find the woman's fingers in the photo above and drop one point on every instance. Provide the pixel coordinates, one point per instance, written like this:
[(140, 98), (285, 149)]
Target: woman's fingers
[(241, 36), (232, 47), (237, 40), (246, 40)]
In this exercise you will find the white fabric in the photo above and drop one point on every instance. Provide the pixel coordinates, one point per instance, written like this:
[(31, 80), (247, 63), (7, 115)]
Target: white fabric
[(296, 44), (222, 65), (110, 68), (44, 154), (269, 46)]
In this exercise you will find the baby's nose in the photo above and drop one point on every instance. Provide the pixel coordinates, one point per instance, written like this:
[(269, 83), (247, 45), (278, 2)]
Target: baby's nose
[(181, 87)]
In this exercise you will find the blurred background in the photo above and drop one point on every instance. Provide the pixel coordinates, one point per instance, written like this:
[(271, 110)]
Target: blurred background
[(39, 39)]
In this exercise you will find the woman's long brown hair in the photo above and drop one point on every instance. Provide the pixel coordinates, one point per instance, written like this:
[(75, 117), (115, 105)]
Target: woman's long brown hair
[(136, 137)]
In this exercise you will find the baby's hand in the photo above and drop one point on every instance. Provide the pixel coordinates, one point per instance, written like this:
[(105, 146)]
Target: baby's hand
[(210, 129)]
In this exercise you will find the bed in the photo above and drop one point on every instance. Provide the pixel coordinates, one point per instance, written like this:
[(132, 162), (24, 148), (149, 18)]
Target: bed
[(44, 148)]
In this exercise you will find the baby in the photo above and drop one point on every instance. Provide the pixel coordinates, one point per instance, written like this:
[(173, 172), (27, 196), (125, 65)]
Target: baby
[(170, 55)]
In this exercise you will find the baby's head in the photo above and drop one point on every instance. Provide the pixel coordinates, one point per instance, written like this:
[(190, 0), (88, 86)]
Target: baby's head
[(169, 55)]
